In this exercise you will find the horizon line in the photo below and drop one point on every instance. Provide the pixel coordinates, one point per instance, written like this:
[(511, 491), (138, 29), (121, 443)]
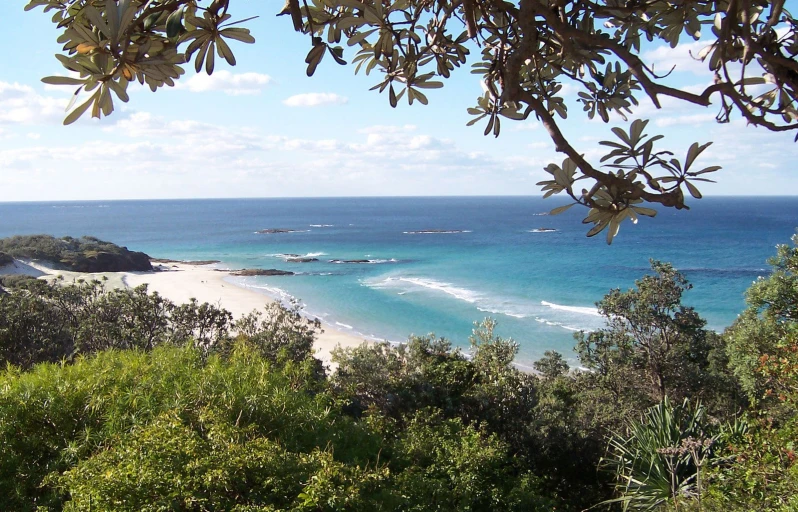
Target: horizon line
[(29, 201)]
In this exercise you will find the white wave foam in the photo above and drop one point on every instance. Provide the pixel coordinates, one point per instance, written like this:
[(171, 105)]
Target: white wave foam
[(283, 256), (465, 294), (570, 318), (345, 326), (321, 225), (277, 293), (573, 309)]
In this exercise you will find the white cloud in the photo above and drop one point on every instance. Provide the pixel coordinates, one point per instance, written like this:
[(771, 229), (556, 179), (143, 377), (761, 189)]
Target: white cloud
[(315, 99), (188, 158), (388, 129), (226, 82), (21, 104), (680, 58), (691, 120)]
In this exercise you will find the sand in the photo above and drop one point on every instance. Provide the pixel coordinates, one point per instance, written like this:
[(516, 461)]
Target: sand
[(179, 282)]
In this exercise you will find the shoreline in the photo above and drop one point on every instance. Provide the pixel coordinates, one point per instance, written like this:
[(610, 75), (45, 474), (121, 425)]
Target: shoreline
[(180, 281)]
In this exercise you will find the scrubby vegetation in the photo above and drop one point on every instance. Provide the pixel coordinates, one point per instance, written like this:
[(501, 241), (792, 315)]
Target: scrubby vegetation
[(85, 254), (121, 400)]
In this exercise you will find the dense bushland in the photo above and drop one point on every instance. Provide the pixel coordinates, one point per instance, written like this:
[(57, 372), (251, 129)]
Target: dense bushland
[(121, 400)]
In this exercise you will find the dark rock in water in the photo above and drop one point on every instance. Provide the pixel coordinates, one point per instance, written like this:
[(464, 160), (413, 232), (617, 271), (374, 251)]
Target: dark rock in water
[(434, 231), (350, 261), (184, 262), (300, 260), (246, 272), (85, 254), (273, 231), (543, 230)]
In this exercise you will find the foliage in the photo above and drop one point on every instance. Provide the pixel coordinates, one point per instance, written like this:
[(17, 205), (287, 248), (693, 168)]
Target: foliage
[(5, 259), (528, 51), (659, 460), (760, 470), (85, 254), (771, 317), (654, 346), (536, 421), (16, 280), (53, 321), (284, 334), (173, 430), (551, 366)]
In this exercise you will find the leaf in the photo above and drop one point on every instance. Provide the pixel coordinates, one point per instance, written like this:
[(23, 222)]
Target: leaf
[(119, 90), (210, 60), (560, 209), (314, 58), (621, 135), (615, 226), (429, 85), (174, 23), (225, 52), (63, 80), (201, 56), (598, 228), (693, 153), (693, 190), (75, 114), (239, 34), (337, 54), (648, 212)]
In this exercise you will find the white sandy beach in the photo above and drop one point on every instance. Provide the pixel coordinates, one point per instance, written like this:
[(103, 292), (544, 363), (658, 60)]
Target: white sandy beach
[(179, 282)]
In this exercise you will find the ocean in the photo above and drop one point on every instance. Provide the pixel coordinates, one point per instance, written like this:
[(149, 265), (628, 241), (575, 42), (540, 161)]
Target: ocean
[(438, 264)]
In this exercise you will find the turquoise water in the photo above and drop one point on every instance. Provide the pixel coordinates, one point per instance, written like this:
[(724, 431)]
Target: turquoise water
[(540, 286)]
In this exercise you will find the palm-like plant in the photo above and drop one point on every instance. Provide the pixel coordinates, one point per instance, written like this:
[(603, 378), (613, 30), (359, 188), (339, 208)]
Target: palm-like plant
[(659, 461)]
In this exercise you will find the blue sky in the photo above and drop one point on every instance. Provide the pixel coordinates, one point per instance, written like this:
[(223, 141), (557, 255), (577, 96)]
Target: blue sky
[(264, 129)]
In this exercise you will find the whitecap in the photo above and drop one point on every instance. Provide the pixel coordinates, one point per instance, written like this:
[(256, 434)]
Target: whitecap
[(573, 309)]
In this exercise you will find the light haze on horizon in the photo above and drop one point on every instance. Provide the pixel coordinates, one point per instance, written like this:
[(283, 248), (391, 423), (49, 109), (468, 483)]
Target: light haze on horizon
[(264, 129)]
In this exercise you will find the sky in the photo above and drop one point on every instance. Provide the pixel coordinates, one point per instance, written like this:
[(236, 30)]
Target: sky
[(264, 129)]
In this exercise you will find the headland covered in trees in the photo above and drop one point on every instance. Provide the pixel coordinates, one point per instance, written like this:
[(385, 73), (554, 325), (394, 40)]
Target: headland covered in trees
[(122, 399)]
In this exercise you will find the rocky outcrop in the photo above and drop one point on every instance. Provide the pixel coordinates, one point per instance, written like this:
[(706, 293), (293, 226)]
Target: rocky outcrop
[(85, 254), (248, 272), (272, 231), (434, 231), (301, 260), (184, 262)]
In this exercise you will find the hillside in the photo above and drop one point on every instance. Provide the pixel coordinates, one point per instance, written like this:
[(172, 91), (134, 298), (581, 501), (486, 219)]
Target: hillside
[(85, 254)]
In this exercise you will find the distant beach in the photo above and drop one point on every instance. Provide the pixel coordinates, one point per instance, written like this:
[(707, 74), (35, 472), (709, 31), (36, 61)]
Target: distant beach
[(180, 282)]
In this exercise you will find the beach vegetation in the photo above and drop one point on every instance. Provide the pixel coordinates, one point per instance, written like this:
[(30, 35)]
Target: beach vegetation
[(129, 402), (524, 53), (653, 346)]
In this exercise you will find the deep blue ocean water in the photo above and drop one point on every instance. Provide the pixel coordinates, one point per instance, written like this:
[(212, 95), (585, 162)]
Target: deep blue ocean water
[(540, 286)]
